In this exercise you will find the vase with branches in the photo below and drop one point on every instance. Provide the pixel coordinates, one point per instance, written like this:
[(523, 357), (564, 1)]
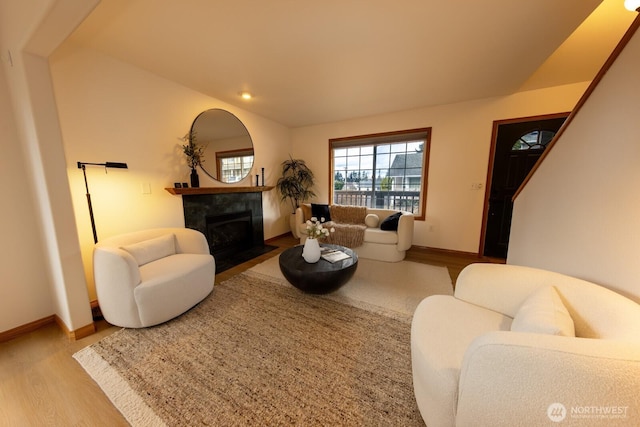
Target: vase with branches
[(194, 152)]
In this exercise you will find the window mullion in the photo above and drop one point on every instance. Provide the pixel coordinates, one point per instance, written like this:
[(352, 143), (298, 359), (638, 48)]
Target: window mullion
[(373, 178)]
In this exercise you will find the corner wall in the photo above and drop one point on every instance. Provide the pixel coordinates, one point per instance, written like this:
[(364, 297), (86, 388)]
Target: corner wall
[(580, 212), (43, 275), (25, 288), (460, 145), (113, 111)]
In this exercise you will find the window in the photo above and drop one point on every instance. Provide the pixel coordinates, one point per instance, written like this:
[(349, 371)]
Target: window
[(386, 171), (536, 140), (234, 165)]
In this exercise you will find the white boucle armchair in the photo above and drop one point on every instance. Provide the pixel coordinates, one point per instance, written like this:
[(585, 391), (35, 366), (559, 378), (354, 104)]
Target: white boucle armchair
[(147, 277), (481, 358)]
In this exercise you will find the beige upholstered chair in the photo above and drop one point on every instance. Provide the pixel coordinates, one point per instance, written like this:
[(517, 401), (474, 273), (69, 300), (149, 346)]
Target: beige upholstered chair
[(148, 277), (378, 244), (524, 346)]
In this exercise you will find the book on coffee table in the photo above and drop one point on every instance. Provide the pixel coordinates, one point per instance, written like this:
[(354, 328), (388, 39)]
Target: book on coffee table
[(333, 255)]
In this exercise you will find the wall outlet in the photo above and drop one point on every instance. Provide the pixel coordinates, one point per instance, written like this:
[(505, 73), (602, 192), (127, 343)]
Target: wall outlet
[(146, 188), (477, 186)]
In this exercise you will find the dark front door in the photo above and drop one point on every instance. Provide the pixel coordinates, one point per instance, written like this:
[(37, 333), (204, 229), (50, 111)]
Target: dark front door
[(517, 147)]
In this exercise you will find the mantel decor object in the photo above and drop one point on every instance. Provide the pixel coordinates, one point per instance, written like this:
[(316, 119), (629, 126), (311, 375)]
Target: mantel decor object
[(194, 152), (195, 179)]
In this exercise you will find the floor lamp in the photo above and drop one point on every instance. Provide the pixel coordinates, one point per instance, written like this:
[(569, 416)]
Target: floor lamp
[(81, 165)]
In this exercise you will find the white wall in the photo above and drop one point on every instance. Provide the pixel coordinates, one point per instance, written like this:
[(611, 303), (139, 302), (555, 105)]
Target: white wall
[(42, 275), (580, 213), (112, 111), (460, 144), (25, 292)]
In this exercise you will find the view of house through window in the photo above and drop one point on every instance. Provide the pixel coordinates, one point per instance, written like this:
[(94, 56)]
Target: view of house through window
[(234, 165), (381, 171)]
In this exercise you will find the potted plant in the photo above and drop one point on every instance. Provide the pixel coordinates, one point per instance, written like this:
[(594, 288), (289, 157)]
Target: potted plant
[(295, 185), (194, 153)]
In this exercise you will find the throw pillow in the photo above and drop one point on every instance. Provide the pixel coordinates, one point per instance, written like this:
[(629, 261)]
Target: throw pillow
[(150, 250), (320, 211), (390, 223), (371, 220), (348, 214), (544, 313)]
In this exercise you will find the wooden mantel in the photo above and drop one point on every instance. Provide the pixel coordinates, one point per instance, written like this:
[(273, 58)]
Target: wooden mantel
[(217, 190)]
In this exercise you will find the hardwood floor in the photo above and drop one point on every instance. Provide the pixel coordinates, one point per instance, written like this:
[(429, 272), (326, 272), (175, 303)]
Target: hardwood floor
[(42, 385), (454, 261)]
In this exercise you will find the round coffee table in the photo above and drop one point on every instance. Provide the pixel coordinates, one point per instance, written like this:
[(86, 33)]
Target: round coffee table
[(321, 277)]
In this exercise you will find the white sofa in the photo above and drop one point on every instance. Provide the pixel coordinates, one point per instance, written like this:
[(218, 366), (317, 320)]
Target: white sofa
[(471, 369), (147, 277), (381, 245)]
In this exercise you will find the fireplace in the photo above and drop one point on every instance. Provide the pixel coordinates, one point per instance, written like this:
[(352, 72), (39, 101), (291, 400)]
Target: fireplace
[(232, 224), (229, 233)]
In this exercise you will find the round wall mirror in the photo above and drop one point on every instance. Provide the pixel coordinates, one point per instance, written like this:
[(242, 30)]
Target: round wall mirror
[(228, 152)]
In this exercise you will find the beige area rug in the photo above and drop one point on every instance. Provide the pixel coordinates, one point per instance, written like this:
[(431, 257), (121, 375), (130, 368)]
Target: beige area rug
[(256, 352), (390, 288)]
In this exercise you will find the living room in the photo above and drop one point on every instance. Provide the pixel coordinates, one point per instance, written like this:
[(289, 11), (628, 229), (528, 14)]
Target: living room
[(112, 110)]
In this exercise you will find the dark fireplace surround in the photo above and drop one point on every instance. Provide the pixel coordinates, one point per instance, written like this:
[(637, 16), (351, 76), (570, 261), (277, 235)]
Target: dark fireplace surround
[(229, 233), (232, 224)]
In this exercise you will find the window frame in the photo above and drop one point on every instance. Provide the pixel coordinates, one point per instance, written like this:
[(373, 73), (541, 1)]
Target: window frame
[(381, 139)]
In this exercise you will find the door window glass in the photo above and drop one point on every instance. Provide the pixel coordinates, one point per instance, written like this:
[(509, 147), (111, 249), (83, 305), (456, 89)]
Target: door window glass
[(536, 140)]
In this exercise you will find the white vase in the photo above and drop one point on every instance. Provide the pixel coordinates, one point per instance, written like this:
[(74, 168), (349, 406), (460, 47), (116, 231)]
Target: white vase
[(311, 250)]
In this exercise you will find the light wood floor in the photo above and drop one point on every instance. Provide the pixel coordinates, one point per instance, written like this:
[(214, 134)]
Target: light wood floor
[(42, 385)]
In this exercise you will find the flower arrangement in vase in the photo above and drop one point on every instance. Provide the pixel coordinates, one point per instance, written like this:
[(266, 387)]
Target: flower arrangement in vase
[(315, 231)]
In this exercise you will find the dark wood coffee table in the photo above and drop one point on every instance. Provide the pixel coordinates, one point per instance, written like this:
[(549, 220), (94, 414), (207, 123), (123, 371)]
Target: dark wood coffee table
[(321, 277)]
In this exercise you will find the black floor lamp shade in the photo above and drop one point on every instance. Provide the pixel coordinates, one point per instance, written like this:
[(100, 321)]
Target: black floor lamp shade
[(116, 165), (82, 165)]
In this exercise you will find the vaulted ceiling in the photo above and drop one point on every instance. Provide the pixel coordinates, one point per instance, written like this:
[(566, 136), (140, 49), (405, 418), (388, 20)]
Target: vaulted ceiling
[(314, 62)]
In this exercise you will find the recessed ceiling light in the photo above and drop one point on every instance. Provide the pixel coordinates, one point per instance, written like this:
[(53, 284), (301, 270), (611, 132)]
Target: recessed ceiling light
[(246, 95)]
